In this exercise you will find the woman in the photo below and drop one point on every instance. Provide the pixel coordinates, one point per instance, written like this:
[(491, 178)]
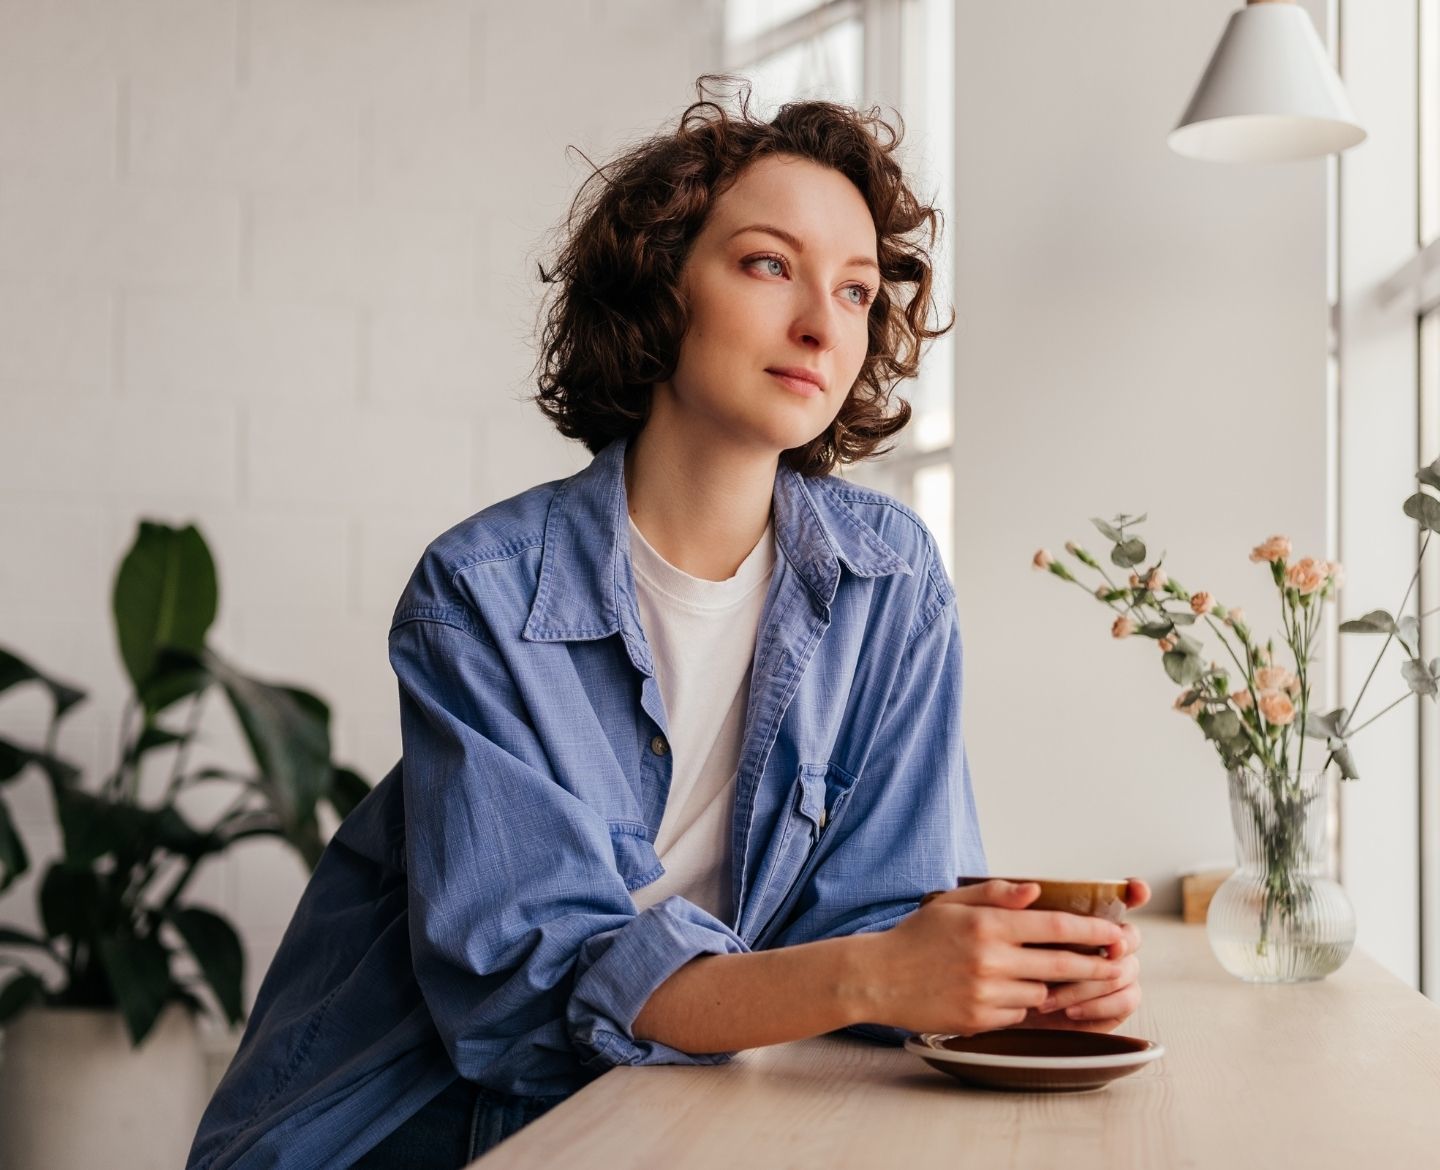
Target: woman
[(681, 733)]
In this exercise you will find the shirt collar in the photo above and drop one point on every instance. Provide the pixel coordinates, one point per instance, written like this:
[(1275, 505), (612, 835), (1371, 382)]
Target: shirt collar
[(587, 589)]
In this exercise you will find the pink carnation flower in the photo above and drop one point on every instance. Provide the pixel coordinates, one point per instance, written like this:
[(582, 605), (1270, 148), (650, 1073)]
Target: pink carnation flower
[(1307, 575), (1043, 560), (1122, 628), (1277, 548), (1277, 708), (1202, 603)]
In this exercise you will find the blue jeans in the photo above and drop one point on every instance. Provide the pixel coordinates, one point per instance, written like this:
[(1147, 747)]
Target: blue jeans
[(458, 1125)]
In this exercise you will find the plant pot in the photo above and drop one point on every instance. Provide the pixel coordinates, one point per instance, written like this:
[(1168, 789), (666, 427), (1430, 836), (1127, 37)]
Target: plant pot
[(1280, 917), (75, 1095)]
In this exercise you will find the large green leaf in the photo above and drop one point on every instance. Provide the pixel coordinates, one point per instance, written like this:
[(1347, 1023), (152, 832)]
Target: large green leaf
[(95, 827), (139, 972), (13, 859), (1424, 508), (1430, 475), (347, 789), (177, 674), (152, 737), (14, 669), (19, 994), (1183, 668), (165, 596), (217, 949), (289, 734), (74, 903)]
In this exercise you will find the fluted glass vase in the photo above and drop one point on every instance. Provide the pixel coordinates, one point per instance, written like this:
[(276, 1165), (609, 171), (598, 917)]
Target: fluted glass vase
[(1281, 917)]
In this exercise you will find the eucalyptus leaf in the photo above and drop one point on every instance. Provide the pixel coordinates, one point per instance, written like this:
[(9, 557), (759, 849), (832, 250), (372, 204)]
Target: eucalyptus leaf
[(1184, 669), (1181, 618), (1419, 677), (139, 973), (1430, 475), (1407, 630), (1222, 725), (1346, 762), (1424, 508), (14, 669), (217, 950), (19, 994), (1108, 532), (1128, 553), (1155, 629), (165, 596), (1377, 621), (1319, 726)]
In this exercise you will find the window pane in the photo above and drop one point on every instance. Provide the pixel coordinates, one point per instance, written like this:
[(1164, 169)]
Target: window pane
[(749, 18), (934, 501), (830, 67), (929, 151)]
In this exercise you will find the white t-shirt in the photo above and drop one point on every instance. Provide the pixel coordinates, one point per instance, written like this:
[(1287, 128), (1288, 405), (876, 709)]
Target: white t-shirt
[(702, 639)]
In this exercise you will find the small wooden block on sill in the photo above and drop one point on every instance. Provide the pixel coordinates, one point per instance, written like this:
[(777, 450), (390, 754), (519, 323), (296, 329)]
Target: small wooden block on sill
[(1196, 890)]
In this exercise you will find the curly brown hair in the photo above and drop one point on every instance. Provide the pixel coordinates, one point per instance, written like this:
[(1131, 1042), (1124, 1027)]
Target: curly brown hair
[(615, 325)]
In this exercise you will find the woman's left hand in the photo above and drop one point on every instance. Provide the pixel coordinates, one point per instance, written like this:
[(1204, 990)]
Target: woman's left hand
[(1098, 1006)]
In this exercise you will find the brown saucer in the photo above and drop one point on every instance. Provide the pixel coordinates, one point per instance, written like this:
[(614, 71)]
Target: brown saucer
[(1035, 1060)]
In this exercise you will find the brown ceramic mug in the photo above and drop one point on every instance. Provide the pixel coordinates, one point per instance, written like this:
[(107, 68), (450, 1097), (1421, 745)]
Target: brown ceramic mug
[(1097, 899)]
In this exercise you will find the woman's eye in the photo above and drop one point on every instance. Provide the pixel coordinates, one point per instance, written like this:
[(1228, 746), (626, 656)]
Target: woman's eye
[(775, 260)]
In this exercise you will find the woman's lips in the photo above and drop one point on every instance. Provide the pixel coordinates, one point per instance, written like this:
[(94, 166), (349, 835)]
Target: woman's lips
[(802, 386)]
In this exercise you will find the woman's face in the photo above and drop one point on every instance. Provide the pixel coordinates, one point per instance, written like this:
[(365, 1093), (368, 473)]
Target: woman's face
[(781, 276)]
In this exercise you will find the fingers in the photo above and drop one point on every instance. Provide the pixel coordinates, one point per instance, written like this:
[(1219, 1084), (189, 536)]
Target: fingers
[(1128, 945), (995, 892), (1056, 926), (1137, 893), (1118, 1005), (1069, 994)]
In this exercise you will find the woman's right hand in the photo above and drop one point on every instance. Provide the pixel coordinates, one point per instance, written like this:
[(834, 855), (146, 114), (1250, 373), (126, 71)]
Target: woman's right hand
[(959, 964)]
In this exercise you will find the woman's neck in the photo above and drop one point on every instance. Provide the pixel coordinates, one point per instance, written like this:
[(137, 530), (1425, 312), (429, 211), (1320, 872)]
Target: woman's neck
[(703, 510)]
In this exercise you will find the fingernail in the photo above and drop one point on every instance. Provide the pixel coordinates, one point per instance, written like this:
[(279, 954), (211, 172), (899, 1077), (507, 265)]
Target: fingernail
[(1048, 1005)]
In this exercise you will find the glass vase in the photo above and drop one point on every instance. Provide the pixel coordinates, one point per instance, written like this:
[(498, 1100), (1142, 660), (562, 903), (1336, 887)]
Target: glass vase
[(1281, 917)]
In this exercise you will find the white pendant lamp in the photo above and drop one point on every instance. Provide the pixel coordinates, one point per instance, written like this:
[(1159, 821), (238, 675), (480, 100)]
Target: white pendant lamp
[(1269, 93)]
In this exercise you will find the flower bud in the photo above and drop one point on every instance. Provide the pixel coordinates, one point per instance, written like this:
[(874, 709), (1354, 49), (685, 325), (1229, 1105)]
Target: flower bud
[(1042, 559)]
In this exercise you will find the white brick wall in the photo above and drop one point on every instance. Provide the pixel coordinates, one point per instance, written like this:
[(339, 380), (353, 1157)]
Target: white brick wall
[(268, 266)]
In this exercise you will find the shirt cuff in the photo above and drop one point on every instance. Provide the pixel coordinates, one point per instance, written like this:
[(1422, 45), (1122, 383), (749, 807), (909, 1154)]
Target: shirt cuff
[(620, 969)]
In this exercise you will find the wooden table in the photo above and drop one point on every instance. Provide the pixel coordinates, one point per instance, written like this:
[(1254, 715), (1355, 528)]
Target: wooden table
[(1340, 1073)]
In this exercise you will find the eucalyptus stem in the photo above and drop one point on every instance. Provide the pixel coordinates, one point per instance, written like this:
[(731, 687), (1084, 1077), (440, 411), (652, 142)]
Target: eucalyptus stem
[(1382, 711), (1344, 731)]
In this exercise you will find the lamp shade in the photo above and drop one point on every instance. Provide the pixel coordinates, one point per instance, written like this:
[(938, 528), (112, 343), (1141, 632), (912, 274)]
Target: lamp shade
[(1269, 93)]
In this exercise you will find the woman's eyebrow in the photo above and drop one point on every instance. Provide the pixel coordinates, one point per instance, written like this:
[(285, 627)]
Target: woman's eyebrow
[(794, 242)]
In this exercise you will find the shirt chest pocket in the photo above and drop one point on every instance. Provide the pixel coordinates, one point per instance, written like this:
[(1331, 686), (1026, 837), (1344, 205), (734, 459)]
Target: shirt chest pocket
[(820, 795), (635, 856)]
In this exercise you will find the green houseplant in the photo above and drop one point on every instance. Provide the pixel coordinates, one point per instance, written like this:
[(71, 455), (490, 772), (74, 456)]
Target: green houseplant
[(115, 920)]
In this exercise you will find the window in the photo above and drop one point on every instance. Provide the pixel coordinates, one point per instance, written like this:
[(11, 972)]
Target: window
[(896, 54)]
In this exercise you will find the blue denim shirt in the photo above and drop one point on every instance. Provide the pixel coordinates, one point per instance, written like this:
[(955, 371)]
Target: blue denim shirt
[(473, 914)]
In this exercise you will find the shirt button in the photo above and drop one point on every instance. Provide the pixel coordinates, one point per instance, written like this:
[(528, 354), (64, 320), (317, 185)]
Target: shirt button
[(659, 746)]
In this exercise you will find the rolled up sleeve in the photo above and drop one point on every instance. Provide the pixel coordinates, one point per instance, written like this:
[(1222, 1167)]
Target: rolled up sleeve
[(525, 941)]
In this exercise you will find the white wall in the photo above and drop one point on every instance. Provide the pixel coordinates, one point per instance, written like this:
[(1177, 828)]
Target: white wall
[(270, 267), (1137, 332)]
